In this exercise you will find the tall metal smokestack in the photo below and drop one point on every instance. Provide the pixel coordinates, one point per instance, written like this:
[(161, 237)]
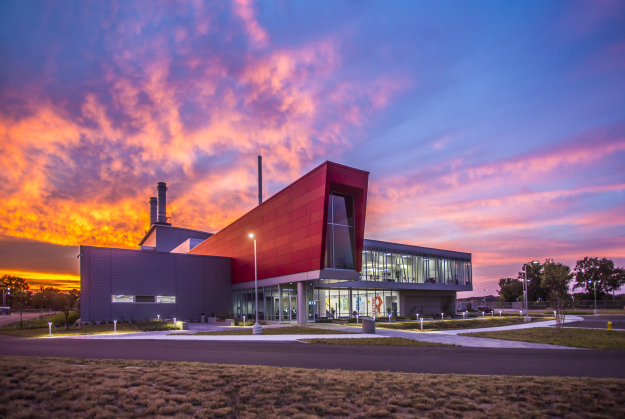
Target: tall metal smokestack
[(153, 218), (260, 180), (161, 187)]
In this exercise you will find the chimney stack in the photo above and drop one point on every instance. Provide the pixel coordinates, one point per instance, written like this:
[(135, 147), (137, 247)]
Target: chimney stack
[(161, 187), (260, 180), (153, 218)]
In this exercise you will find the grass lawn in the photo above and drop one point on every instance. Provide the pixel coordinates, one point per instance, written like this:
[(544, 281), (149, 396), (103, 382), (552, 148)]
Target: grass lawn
[(580, 338), (456, 324), (289, 330), (374, 342), (55, 387), (34, 323), (73, 330)]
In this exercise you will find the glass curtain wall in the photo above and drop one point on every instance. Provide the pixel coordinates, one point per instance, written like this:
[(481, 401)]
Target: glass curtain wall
[(349, 302), (395, 266), (340, 243)]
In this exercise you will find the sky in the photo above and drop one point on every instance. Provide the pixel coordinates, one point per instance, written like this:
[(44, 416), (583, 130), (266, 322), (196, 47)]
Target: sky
[(494, 128)]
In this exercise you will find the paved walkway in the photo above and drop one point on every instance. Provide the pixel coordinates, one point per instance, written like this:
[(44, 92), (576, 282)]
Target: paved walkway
[(446, 336)]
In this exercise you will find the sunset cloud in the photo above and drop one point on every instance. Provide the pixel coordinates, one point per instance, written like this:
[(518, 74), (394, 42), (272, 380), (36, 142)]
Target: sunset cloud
[(506, 142)]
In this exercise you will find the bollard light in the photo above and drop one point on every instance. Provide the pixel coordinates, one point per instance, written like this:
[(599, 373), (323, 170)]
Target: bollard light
[(492, 314), (158, 317), (464, 314), (521, 313), (417, 316), (442, 316), (243, 321), (356, 318), (500, 314), (50, 328), (422, 324), (114, 326), (483, 314)]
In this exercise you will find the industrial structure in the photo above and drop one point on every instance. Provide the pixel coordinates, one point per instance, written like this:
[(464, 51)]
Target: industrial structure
[(313, 262)]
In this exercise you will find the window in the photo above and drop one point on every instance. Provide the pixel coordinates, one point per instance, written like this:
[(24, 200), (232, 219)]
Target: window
[(340, 233), (123, 298), (170, 299), (144, 299)]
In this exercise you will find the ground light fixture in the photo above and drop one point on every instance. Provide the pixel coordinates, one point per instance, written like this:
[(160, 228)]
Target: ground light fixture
[(158, 317), (49, 328), (442, 316), (499, 313), (243, 321), (464, 314), (356, 318), (257, 329), (422, 324), (114, 326), (483, 314), (521, 313)]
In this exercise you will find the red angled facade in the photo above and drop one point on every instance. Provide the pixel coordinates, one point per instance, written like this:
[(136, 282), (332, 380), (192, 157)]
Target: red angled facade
[(290, 227)]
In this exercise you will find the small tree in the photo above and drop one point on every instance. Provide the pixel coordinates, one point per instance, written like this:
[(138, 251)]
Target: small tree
[(19, 300), (63, 303), (555, 281)]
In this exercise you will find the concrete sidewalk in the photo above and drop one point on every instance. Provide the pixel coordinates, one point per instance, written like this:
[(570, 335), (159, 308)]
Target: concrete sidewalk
[(450, 337)]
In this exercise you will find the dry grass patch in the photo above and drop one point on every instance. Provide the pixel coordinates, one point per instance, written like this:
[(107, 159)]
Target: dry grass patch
[(289, 330), (373, 342), (433, 325), (73, 330), (579, 338), (72, 388)]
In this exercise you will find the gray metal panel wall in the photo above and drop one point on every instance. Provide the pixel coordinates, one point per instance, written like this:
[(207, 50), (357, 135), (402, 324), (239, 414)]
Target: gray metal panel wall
[(201, 284), (168, 238), (84, 283), (134, 272), (218, 292), (427, 303), (99, 284), (190, 283)]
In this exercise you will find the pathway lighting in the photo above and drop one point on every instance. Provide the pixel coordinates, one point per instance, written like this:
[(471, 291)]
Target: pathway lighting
[(442, 316), (492, 313), (114, 326), (594, 284), (521, 313), (49, 328), (483, 314), (464, 314), (243, 320), (257, 329), (525, 291), (158, 317), (422, 324), (356, 318), (499, 313)]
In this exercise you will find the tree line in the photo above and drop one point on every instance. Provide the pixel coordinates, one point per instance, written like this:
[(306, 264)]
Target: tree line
[(587, 274), (18, 294)]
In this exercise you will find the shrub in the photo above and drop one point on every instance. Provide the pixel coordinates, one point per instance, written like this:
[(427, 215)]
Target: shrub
[(323, 321), (152, 326)]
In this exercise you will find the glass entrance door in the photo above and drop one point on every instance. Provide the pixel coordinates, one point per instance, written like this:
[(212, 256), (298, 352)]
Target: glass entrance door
[(289, 307)]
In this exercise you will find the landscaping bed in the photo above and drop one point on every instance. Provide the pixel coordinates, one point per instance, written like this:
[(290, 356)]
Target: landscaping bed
[(152, 326), (434, 325), (373, 342), (579, 338), (289, 330), (78, 388)]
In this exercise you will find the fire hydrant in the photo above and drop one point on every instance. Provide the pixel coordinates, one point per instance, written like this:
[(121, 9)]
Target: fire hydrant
[(609, 325)]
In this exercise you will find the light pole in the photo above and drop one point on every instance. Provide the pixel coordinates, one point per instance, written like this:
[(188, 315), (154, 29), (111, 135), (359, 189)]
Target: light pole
[(594, 285), (257, 329), (484, 301), (525, 292)]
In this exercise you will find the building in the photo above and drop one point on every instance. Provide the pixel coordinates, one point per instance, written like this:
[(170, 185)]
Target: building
[(312, 262)]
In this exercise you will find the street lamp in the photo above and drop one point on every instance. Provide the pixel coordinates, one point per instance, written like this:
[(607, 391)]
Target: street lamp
[(484, 289), (257, 329), (594, 284), (525, 293)]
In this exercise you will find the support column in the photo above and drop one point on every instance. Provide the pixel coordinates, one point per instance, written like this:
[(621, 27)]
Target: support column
[(280, 304), (302, 312)]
